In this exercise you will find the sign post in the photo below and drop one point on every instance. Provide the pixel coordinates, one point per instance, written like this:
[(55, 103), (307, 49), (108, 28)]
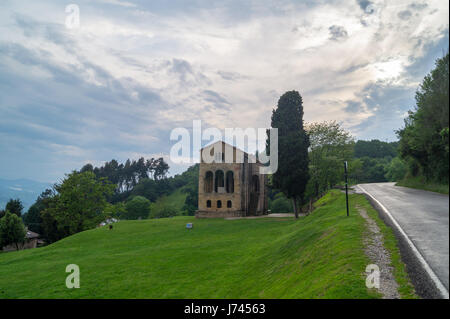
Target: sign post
[(346, 186)]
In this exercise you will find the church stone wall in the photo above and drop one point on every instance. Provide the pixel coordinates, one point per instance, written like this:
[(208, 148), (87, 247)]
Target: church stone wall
[(240, 198)]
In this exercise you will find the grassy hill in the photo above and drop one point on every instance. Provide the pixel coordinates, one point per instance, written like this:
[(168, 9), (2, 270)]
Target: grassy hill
[(174, 200), (318, 256)]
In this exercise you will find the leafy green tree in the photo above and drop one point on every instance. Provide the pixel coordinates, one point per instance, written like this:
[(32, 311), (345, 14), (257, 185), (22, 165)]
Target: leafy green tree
[(330, 146), (78, 204), (424, 138), (117, 210), (87, 168), (280, 204), (49, 227), (137, 207), (293, 142), (374, 169), (396, 170), (191, 188), (355, 171), (14, 206), (127, 176), (12, 230), (191, 202), (375, 149), (33, 219), (151, 189)]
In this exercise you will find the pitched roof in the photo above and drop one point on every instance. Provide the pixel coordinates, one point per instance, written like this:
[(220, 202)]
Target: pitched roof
[(234, 147), (31, 234), (222, 142)]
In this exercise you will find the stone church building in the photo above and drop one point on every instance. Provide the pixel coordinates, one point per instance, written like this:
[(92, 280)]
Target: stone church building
[(230, 184)]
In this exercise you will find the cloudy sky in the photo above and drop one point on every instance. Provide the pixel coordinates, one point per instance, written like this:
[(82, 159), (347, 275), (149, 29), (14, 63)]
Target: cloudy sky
[(116, 86)]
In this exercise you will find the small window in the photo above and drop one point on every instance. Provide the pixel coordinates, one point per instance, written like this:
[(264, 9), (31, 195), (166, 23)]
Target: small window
[(208, 203), (229, 204), (219, 204)]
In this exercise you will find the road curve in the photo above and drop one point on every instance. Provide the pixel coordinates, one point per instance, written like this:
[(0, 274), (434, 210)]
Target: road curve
[(424, 217)]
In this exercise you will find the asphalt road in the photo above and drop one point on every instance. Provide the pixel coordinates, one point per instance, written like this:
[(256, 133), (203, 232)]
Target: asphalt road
[(424, 217)]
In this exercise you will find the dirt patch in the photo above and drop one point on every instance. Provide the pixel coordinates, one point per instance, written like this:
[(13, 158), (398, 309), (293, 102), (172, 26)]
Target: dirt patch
[(374, 249)]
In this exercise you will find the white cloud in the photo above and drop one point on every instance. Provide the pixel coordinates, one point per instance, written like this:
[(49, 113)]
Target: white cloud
[(245, 54), (118, 3)]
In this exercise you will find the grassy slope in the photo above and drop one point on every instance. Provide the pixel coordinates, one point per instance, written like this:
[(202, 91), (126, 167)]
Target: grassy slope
[(420, 183), (405, 288), (175, 200), (319, 256)]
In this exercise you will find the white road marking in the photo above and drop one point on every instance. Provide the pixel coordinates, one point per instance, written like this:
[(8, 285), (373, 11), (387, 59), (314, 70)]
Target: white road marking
[(430, 272)]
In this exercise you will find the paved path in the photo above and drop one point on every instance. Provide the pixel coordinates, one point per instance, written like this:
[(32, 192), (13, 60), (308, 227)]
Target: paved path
[(424, 218)]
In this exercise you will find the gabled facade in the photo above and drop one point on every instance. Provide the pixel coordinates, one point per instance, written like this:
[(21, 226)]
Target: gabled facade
[(230, 184)]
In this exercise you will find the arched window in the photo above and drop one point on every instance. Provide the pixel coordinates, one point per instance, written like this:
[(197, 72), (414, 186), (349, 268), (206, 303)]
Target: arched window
[(255, 183), (230, 182), (208, 182), (208, 203), (219, 204), (229, 204), (219, 181)]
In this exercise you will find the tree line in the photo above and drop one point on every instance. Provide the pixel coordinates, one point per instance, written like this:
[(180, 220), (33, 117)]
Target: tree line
[(86, 197), (126, 176), (424, 139), (310, 155)]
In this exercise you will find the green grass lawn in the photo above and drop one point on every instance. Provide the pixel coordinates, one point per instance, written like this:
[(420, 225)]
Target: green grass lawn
[(405, 288), (420, 183), (318, 256)]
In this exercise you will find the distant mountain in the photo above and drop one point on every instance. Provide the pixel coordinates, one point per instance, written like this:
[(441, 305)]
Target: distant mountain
[(25, 189)]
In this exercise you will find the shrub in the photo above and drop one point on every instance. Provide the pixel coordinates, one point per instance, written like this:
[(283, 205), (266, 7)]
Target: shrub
[(137, 207), (396, 170), (12, 230), (281, 205)]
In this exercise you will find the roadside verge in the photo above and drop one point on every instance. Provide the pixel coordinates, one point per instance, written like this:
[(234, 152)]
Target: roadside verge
[(425, 281)]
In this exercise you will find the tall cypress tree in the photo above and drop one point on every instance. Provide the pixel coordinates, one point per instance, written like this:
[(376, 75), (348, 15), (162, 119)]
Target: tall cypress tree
[(293, 142)]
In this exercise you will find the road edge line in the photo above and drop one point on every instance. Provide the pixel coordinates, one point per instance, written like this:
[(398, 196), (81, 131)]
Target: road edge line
[(443, 291)]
